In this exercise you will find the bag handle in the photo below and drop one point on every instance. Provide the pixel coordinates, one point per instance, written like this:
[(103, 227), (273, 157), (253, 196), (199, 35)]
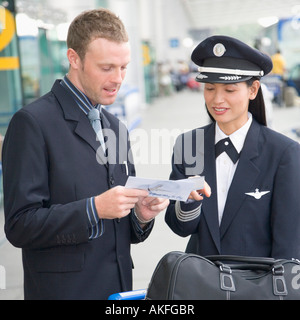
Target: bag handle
[(258, 263), (245, 266), (249, 260)]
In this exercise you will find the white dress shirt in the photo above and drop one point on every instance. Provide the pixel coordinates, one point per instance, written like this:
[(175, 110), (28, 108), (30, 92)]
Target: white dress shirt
[(225, 168)]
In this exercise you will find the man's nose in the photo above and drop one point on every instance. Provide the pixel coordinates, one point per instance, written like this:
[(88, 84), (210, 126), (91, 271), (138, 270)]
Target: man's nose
[(118, 76)]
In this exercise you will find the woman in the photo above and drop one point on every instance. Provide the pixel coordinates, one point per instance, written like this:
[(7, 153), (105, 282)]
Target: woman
[(253, 172)]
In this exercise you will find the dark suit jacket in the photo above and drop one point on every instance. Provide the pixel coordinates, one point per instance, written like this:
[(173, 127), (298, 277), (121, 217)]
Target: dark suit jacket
[(269, 226), (50, 168)]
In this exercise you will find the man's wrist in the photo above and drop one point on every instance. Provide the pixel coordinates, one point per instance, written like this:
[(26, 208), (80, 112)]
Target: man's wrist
[(141, 221)]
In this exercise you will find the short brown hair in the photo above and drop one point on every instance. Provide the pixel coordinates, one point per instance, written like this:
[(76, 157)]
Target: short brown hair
[(93, 24)]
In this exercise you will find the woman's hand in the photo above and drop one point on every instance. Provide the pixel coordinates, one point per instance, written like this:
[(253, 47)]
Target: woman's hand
[(198, 195)]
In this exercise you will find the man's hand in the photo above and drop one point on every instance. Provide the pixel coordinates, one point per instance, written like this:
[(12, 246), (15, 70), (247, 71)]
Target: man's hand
[(148, 208), (118, 202)]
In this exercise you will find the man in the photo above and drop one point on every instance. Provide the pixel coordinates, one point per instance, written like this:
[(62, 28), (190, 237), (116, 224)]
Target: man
[(65, 201), (279, 69), (279, 64)]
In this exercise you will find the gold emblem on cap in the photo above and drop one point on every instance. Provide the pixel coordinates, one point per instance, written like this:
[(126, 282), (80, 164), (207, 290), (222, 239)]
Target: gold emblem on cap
[(219, 50)]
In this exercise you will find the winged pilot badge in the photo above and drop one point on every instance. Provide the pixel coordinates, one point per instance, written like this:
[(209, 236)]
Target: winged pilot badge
[(257, 194)]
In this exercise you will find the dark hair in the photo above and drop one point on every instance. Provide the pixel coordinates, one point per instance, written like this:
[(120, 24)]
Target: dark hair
[(256, 107)]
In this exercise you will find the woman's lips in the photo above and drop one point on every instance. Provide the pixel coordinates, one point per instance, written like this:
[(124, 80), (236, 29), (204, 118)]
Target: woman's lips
[(219, 111)]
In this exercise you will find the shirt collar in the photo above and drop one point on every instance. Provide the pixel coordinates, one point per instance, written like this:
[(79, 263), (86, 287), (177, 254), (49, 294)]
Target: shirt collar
[(238, 137), (82, 100)]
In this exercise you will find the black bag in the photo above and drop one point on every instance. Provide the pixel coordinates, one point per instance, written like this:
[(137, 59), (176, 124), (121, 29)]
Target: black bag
[(182, 276)]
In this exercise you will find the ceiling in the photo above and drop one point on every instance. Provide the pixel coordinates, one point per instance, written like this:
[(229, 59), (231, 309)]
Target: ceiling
[(218, 13), (53, 11), (201, 13)]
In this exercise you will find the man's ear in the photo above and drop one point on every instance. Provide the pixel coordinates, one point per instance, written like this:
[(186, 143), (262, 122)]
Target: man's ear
[(73, 58)]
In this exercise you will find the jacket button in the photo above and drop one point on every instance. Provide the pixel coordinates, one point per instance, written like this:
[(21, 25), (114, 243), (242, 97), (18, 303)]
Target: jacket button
[(112, 181)]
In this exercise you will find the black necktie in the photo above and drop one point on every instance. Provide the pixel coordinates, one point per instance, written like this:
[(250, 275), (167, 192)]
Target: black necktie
[(227, 146)]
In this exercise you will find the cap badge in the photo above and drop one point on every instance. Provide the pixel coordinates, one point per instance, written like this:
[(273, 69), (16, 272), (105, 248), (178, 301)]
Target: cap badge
[(219, 50)]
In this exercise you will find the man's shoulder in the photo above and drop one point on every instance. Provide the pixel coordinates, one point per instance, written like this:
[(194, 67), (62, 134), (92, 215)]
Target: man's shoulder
[(41, 107), (43, 110), (46, 101)]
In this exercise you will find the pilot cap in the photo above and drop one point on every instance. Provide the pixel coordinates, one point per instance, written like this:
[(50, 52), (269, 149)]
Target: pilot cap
[(223, 59)]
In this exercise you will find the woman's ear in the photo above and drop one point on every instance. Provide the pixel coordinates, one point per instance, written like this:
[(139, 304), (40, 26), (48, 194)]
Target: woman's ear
[(254, 89)]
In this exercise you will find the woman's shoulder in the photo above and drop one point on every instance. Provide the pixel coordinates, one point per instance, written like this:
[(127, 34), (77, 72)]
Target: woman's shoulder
[(276, 137)]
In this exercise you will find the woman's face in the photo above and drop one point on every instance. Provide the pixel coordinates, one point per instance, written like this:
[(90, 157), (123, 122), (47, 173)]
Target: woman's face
[(228, 103)]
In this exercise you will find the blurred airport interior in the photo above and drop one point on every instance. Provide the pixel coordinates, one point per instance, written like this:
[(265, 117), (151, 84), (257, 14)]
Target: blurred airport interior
[(162, 35), (159, 82)]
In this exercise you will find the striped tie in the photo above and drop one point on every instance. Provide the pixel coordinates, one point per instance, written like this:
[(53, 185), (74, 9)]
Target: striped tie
[(94, 117)]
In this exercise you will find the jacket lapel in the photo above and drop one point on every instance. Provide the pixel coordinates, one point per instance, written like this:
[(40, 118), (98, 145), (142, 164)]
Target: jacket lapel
[(210, 207), (244, 178), (73, 113)]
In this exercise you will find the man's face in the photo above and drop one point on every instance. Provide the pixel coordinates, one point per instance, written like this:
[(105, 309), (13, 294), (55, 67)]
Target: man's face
[(103, 70)]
